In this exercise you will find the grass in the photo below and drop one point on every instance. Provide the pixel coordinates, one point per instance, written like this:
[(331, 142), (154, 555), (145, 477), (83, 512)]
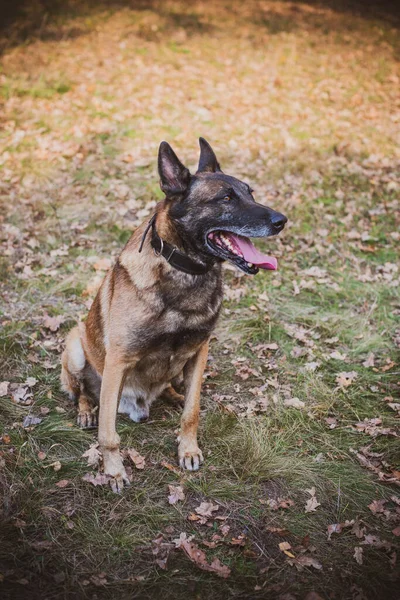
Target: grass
[(300, 101)]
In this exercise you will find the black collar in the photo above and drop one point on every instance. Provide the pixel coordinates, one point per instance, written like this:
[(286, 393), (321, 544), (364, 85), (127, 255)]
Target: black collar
[(172, 255)]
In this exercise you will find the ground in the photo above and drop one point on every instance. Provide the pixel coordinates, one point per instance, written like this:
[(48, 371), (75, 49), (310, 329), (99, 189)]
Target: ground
[(301, 395)]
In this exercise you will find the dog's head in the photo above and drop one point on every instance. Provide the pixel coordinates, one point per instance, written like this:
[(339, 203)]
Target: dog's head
[(214, 213)]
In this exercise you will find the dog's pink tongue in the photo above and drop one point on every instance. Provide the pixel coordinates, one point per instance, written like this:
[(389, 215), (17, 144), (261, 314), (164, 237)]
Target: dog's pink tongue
[(252, 255)]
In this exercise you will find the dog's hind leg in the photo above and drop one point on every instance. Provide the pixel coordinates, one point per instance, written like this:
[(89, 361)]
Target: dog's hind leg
[(73, 362), (172, 396), (79, 380), (190, 455), (87, 413)]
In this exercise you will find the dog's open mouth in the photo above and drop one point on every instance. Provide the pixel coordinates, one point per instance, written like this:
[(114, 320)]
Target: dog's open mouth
[(241, 251)]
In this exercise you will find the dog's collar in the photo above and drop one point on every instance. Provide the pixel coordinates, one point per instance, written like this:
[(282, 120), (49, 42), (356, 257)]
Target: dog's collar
[(172, 255)]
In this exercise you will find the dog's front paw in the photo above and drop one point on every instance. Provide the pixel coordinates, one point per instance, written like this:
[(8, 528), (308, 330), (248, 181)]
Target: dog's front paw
[(190, 456), (113, 466)]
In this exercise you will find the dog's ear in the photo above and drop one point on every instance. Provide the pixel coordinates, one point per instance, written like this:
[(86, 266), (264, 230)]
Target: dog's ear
[(208, 160), (174, 176)]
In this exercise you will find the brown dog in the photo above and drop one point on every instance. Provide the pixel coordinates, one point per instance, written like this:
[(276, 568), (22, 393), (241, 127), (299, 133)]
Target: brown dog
[(153, 315)]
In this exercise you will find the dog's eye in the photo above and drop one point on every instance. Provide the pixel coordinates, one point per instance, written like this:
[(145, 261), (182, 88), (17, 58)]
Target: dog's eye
[(227, 198)]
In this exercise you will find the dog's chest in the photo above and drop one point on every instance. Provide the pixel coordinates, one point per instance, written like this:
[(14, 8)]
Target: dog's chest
[(184, 320)]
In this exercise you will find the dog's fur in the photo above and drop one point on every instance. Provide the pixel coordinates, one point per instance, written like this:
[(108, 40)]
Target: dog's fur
[(150, 323)]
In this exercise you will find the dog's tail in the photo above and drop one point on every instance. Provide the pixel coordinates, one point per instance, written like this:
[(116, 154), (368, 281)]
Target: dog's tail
[(72, 364)]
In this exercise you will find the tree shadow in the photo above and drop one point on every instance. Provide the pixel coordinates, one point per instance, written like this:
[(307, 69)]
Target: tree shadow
[(23, 21)]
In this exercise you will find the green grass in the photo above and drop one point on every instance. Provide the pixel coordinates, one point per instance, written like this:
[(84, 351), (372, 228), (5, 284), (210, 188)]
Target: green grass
[(300, 102)]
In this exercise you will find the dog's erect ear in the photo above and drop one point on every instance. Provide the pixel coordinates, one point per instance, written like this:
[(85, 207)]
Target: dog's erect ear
[(208, 160), (174, 176)]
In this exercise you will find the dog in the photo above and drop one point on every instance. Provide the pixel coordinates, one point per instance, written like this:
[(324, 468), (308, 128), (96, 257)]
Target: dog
[(152, 318)]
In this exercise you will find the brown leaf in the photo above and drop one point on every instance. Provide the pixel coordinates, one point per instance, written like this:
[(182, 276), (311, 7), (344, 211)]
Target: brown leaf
[(103, 264), (334, 528), (176, 494), (136, 458), (345, 379), (358, 555), (370, 361), (311, 504), (170, 467), (396, 531), (377, 506), (93, 455), (4, 388), (278, 503), (199, 558), (305, 561), (98, 479), (62, 483), (206, 509), (53, 323), (31, 420)]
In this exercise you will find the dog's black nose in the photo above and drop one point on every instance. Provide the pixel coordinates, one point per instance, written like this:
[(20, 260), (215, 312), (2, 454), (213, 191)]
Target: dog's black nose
[(278, 221), (143, 418)]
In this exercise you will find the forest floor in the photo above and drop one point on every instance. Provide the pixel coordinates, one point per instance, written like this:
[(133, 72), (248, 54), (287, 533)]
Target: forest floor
[(298, 497)]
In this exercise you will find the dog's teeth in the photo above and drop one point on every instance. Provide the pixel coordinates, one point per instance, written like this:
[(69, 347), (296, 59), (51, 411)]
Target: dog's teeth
[(250, 265)]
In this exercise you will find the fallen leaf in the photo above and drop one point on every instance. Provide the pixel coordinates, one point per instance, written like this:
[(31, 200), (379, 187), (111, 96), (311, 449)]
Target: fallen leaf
[(136, 458), (199, 558), (370, 361), (31, 381), (377, 506), (285, 547), (334, 528), (4, 388), (93, 455), (278, 503), (103, 264), (41, 455), (98, 479), (176, 494), (53, 323), (170, 467), (345, 379), (206, 509), (31, 420), (305, 561), (337, 355), (358, 555), (396, 531), (62, 483), (311, 504), (56, 466), (294, 403)]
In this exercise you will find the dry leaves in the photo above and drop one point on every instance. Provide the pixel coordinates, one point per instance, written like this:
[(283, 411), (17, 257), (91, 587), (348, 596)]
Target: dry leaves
[(294, 403), (199, 558), (53, 323), (176, 494), (278, 503), (96, 479), (358, 555), (206, 509), (93, 455), (311, 504), (285, 547), (4, 388), (305, 561), (345, 379), (136, 458)]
